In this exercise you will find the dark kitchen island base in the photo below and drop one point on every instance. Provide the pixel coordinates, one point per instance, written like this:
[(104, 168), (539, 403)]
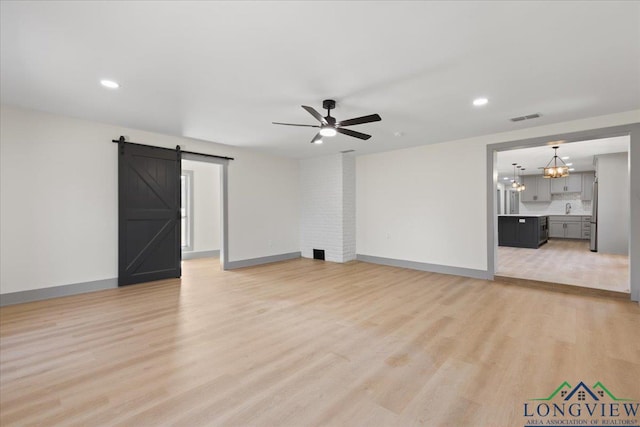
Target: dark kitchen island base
[(522, 231)]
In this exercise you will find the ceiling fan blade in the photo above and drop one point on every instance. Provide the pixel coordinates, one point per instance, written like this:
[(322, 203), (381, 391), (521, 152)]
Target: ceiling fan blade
[(318, 137), (360, 120), (353, 133), (292, 124), (315, 114)]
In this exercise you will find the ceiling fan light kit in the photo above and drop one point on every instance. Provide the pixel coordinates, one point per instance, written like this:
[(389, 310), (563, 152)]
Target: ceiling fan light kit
[(556, 171), (328, 125), (328, 131)]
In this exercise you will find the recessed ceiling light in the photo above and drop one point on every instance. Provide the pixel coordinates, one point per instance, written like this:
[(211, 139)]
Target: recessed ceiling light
[(565, 158), (505, 177), (572, 169), (480, 101), (109, 84), (317, 141), (569, 164)]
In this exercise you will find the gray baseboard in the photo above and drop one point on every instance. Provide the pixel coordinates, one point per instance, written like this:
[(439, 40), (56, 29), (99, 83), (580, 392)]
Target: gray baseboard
[(57, 291), (201, 254), (423, 266), (262, 260)]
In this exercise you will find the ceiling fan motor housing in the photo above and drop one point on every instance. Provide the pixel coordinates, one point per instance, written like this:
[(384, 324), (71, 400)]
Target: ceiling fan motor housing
[(328, 104)]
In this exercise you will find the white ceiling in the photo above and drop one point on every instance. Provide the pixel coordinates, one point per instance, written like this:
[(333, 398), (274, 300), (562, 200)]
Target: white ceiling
[(580, 155), (223, 71)]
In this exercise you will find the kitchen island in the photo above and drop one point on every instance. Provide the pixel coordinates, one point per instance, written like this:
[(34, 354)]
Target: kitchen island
[(523, 231)]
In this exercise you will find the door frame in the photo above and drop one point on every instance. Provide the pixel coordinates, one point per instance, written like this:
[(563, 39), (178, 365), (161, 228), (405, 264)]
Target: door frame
[(224, 199), (631, 130)]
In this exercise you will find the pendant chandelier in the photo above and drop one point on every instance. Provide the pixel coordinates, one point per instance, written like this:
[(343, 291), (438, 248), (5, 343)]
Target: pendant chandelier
[(514, 181), (521, 186), (556, 171)]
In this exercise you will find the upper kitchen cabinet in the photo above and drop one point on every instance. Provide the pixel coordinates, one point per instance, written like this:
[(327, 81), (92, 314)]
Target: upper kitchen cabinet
[(587, 185), (537, 189), (569, 184)]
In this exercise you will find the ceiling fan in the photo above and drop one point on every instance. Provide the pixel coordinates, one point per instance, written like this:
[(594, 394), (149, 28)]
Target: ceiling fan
[(328, 125)]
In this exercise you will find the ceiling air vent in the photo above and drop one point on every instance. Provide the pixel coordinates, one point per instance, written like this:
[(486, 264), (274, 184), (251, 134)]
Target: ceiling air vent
[(527, 117)]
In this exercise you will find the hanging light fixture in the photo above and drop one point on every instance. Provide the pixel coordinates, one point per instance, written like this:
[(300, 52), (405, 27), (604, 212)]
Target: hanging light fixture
[(514, 183), (521, 186), (556, 171)]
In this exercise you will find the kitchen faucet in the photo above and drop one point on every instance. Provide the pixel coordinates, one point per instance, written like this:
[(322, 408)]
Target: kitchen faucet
[(567, 208)]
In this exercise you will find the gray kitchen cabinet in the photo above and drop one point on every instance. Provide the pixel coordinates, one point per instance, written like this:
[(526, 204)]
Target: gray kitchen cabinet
[(586, 227), (530, 194), (573, 230), (569, 184), (566, 227), (574, 183), (557, 185), (522, 231), (538, 189), (544, 189), (556, 229), (587, 185)]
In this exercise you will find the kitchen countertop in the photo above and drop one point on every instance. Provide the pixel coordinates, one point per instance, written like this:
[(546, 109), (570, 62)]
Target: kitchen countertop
[(529, 215), (541, 215)]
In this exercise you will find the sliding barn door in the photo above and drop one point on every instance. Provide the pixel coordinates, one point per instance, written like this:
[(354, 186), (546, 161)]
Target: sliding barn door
[(149, 214)]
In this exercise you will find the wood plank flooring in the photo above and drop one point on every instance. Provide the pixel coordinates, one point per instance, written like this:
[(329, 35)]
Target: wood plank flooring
[(567, 262), (308, 343)]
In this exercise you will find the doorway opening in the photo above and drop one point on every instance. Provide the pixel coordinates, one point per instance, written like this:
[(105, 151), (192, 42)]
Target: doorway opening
[(203, 209), (559, 216)]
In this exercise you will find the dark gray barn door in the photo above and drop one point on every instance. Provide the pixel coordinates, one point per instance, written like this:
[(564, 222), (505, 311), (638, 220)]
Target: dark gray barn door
[(149, 213)]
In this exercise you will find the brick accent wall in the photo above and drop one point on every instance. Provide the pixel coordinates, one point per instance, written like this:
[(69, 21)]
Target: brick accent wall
[(328, 206)]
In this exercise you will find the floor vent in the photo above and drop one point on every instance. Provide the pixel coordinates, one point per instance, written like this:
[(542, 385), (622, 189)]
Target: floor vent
[(527, 117), (318, 254)]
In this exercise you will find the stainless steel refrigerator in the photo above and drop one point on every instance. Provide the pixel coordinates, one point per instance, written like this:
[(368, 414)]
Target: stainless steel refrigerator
[(593, 245)]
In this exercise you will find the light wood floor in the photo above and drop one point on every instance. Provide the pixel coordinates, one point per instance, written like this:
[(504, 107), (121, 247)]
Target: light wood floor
[(566, 261), (308, 343)]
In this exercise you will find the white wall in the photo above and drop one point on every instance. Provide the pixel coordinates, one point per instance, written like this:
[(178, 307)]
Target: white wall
[(264, 206), (206, 205), (409, 205), (59, 199), (327, 214), (348, 207), (613, 203), (409, 202)]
